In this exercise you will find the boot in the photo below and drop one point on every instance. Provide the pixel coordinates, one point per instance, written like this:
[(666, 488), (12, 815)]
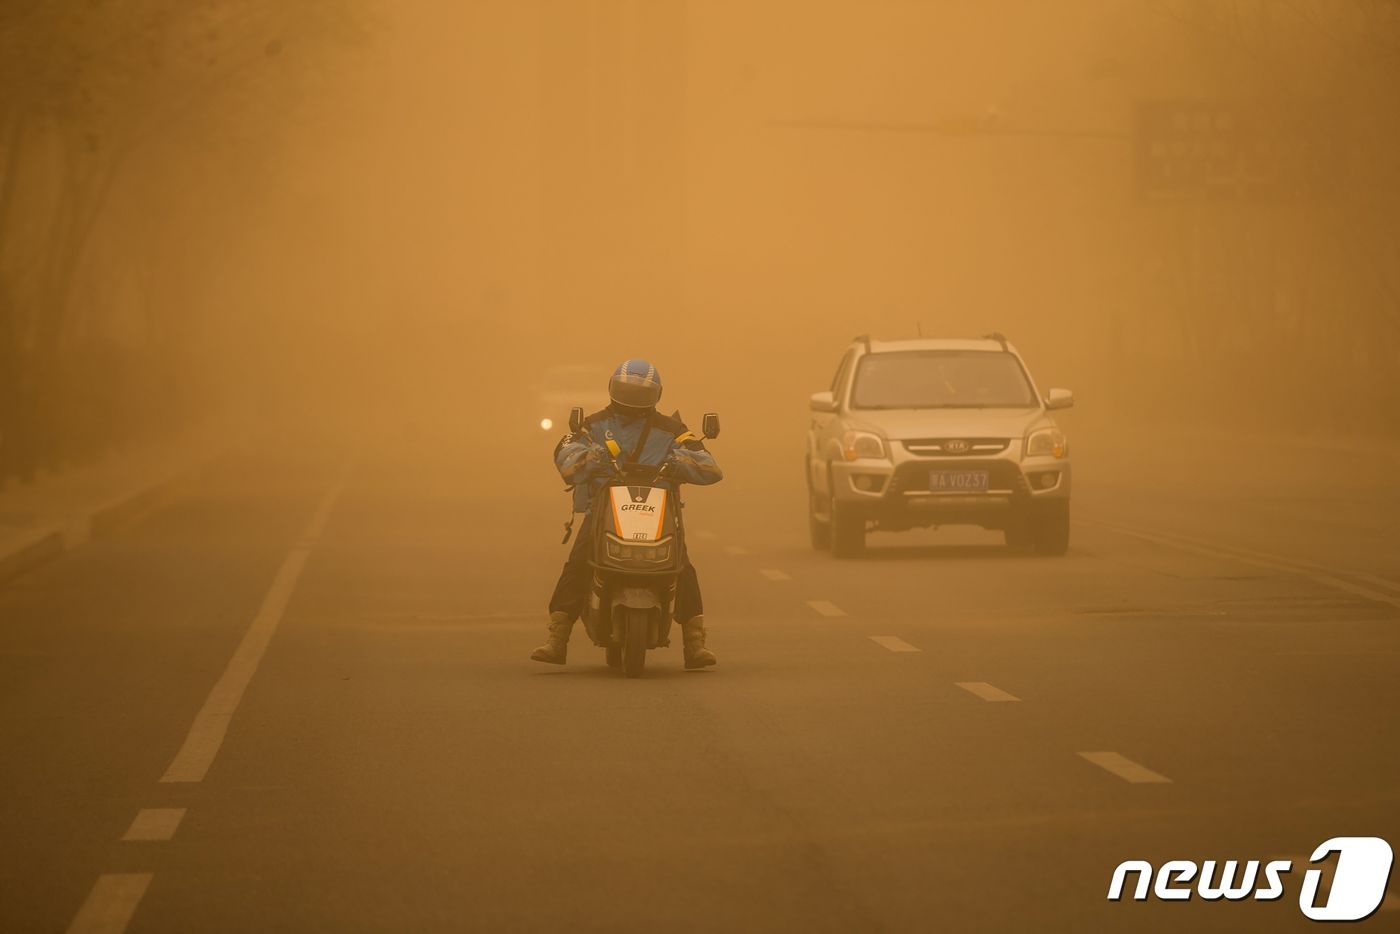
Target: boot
[(556, 650), (696, 655)]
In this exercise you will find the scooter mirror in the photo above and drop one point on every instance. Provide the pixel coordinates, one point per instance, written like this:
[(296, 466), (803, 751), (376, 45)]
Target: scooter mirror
[(575, 420), (709, 425)]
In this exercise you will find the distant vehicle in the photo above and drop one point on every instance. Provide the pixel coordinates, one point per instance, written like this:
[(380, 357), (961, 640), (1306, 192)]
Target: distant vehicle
[(562, 387), (920, 433)]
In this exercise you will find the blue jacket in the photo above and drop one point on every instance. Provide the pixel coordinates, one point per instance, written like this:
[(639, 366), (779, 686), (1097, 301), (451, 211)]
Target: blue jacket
[(585, 465)]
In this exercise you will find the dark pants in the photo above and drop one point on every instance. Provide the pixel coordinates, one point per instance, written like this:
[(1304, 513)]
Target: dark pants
[(576, 580)]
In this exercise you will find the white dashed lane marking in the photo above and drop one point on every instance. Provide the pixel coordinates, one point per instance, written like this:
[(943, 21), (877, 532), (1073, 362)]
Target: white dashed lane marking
[(1125, 768), (706, 534), (737, 551), (894, 644), (826, 608), (154, 824), (111, 903), (773, 574), (986, 691)]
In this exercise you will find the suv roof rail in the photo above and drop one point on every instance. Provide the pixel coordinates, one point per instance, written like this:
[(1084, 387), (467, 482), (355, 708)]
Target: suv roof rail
[(997, 336)]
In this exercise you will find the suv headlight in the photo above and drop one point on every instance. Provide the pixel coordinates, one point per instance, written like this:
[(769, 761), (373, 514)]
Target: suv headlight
[(1046, 442), (855, 444)]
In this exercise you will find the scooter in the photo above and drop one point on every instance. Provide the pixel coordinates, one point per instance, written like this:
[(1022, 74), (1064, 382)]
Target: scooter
[(638, 546)]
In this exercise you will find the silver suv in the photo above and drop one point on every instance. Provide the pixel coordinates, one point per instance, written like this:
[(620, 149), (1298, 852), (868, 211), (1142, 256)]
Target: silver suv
[(919, 433)]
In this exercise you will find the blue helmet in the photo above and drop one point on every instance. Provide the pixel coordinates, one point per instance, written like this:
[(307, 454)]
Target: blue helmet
[(636, 384)]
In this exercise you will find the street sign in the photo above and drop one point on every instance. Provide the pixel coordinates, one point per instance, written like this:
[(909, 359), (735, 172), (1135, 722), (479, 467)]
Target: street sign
[(1215, 149)]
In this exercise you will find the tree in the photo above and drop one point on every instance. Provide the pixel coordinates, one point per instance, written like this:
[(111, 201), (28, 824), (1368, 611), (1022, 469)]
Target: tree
[(91, 92)]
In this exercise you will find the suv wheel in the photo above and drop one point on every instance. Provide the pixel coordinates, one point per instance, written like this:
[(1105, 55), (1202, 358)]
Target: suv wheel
[(1050, 528), (847, 532), (819, 531), (1018, 532)]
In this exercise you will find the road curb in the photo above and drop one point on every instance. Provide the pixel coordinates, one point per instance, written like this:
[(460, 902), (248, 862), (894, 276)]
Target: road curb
[(42, 548), (57, 537), (106, 519)]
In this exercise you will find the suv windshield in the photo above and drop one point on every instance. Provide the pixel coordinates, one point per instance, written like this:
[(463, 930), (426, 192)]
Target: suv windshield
[(941, 379)]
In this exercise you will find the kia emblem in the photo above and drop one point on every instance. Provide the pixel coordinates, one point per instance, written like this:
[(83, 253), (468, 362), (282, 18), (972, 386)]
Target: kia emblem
[(957, 446)]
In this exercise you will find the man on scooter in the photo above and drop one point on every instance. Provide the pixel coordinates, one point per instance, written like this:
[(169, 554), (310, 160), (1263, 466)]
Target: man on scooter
[(629, 429)]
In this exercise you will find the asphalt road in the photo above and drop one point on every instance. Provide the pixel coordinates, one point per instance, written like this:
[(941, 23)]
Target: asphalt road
[(306, 686)]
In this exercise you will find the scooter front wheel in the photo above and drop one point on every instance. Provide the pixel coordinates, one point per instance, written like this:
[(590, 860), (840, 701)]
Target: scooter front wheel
[(634, 643), (614, 656)]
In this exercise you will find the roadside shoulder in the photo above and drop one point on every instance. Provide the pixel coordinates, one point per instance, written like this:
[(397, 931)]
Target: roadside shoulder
[(41, 520)]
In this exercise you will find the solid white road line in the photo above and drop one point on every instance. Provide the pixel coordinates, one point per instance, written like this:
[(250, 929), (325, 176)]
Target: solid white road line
[(894, 644), (111, 903), (986, 691), (210, 725), (705, 534), (773, 574), (1125, 768), (154, 824), (1328, 577), (826, 608), (737, 551)]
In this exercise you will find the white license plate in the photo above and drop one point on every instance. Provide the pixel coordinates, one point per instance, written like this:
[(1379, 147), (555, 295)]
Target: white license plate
[(959, 481)]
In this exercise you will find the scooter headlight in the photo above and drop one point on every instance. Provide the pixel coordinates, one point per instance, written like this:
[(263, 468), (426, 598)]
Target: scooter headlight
[(649, 552)]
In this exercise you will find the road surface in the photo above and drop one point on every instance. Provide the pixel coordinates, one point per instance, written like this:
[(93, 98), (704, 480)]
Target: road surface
[(296, 697)]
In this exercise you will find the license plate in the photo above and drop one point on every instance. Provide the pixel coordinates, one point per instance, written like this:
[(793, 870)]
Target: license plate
[(958, 481)]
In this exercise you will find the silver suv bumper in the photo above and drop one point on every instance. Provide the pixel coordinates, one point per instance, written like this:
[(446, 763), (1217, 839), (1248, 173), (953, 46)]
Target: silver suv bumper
[(896, 491)]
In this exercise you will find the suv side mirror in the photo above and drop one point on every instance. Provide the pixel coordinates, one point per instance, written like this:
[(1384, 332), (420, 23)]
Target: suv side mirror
[(823, 402), (575, 420), (1059, 399), (709, 425)]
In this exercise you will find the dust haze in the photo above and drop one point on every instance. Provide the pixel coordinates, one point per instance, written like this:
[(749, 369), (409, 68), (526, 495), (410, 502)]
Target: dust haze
[(403, 214), (295, 298)]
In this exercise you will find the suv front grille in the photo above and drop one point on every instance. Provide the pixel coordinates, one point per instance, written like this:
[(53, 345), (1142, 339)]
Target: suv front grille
[(953, 447)]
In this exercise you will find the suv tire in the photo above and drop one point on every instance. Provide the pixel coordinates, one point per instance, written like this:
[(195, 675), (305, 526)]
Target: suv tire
[(819, 532), (847, 532), (1050, 528), (1019, 533)]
